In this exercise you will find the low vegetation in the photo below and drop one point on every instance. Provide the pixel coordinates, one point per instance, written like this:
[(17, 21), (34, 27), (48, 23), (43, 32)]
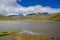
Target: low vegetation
[(36, 17), (17, 36), (5, 33), (31, 37)]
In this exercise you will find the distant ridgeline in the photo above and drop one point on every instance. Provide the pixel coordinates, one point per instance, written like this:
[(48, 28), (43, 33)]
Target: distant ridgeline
[(36, 14), (20, 14), (33, 16)]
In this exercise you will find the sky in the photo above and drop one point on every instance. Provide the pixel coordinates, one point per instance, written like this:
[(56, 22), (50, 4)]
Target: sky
[(50, 3), (16, 7)]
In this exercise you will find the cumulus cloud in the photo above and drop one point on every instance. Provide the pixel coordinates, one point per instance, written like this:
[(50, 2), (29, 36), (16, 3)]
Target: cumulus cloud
[(38, 9), (8, 7), (11, 7)]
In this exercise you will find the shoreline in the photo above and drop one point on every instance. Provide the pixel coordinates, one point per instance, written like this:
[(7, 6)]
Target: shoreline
[(29, 21)]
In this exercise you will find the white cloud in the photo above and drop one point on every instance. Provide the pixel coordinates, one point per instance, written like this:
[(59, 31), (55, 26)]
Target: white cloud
[(11, 7), (38, 8)]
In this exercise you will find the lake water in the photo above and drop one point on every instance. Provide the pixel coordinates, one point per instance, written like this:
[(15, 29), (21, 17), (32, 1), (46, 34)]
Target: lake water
[(38, 27), (31, 26)]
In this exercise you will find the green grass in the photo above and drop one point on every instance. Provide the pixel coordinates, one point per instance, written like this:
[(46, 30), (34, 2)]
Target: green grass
[(6, 33)]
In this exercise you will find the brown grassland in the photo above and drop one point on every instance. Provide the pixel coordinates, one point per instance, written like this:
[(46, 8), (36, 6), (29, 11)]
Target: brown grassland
[(31, 37), (38, 17)]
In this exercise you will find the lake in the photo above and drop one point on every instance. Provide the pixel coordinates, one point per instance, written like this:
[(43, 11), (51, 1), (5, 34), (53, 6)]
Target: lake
[(46, 27), (38, 27)]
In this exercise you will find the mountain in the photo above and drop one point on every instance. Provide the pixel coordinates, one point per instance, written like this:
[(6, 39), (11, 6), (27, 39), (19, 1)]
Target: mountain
[(1, 15), (31, 14), (44, 13), (12, 15), (20, 14)]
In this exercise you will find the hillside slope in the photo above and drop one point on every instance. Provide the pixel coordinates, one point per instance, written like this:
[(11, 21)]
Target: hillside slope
[(37, 17)]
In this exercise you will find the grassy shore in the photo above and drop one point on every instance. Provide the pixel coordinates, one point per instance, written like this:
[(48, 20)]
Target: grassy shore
[(5, 33), (32, 37), (18, 36)]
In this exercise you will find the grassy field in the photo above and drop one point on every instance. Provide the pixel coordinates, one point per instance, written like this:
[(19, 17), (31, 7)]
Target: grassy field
[(37, 17)]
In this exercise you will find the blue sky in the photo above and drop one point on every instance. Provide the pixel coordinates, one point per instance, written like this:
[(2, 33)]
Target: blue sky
[(50, 3), (14, 7)]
